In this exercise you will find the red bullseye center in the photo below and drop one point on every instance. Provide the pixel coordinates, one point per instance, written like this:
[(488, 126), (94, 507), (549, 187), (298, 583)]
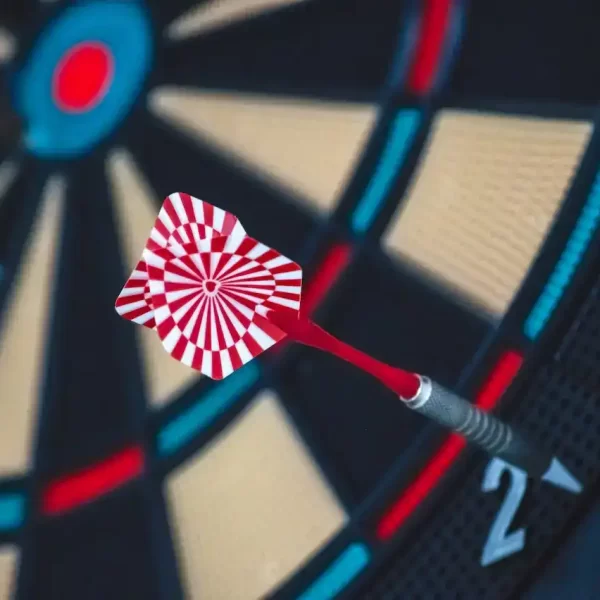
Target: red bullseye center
[(82, 77)]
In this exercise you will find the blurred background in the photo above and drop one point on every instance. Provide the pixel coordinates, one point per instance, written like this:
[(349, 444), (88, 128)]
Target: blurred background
[(432, 166)]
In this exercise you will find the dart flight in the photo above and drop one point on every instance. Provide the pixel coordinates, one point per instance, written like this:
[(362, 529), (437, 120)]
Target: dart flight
[(205, 286)]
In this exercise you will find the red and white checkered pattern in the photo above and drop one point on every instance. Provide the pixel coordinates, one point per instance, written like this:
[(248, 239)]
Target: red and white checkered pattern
[(182, 219), (133, 302), (207, 288), (181, 214)]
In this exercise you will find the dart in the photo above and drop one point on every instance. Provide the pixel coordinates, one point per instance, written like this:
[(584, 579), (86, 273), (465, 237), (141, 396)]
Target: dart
[(218, 298)]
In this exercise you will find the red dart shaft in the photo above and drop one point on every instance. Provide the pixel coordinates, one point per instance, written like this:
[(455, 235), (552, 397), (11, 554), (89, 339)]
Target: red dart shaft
[(305, 331)]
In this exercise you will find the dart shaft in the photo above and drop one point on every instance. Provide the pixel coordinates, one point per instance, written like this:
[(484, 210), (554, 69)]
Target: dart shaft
[(304, 331), (481, 428)]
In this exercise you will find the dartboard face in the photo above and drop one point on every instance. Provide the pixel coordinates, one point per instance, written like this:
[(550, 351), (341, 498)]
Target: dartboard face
[(431, 167)]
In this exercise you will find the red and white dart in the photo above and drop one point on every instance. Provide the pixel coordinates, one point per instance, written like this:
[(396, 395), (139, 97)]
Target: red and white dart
[(218, 298)]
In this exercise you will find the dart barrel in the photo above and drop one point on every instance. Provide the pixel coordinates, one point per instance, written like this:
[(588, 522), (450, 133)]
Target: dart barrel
[(481, 428)]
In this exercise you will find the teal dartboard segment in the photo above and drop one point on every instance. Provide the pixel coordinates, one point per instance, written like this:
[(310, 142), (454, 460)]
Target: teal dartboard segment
[(12, 509), (340, 573), (402, 133), (567, 264), (184, 427)]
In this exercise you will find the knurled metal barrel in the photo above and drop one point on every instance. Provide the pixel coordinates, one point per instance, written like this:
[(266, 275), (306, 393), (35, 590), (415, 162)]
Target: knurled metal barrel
[(499, 439)]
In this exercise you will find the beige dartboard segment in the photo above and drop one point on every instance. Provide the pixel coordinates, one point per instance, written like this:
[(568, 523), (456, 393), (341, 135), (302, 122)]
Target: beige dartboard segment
[(309, 148), (8, 568), (136, 209), (483, 198), (24, 331), (208, 16), (251, 508), (8, 45)]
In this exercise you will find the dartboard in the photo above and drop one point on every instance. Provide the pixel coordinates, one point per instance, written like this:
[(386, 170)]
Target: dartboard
[(433, 167)]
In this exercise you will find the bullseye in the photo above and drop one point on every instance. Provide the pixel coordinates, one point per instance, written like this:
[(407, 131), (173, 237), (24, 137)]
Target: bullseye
[(82, 77)]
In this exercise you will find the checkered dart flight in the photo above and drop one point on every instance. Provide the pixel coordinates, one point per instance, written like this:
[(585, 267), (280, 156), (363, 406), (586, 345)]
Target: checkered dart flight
[(205, 286)]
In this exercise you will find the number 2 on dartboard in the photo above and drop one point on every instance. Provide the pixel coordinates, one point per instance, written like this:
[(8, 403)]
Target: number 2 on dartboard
[(500, 543)]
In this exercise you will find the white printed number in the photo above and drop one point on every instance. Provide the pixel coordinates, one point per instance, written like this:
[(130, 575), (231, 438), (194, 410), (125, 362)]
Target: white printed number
[(501, 544)]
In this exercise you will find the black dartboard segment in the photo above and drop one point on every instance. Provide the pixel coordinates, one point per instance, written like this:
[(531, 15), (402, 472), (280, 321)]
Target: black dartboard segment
[(57, 571), (96, 419), (548, 50), (320, 49)]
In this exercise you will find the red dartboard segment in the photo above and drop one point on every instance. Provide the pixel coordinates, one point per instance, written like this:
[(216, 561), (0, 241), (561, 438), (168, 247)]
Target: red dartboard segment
[(209, 301), (174, 227)]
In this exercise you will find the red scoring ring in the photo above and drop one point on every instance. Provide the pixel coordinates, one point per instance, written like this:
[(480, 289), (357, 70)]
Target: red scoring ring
[(82, 77)]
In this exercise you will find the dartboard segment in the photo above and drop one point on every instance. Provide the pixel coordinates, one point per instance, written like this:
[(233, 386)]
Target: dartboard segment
[(562, 39), (96, 391), (292, 52), (210, 300), (275, 218)]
